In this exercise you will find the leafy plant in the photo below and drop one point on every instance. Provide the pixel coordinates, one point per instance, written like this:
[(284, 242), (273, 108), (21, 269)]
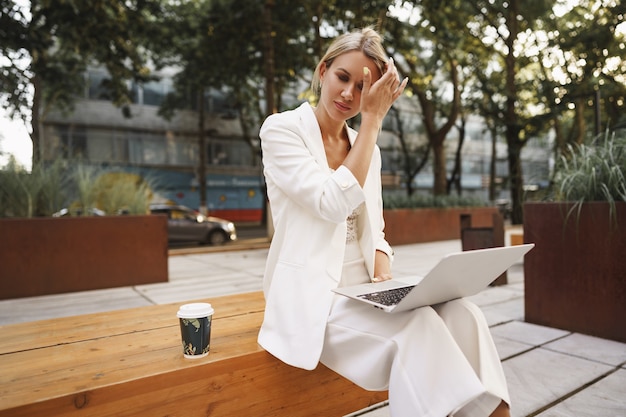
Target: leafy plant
[(28, 194), (593, 172), (122, 192), (113, 192), (84, 178), (51, 187), (426, 201)]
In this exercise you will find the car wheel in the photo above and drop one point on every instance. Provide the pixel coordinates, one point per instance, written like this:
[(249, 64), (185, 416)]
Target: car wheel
[(216, 237)]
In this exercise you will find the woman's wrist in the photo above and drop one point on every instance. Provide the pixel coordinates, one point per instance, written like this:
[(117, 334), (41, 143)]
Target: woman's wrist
[(371, 122), (381, 277)]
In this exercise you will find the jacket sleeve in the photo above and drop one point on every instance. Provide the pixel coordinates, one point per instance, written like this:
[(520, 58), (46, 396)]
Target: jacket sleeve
[(381, 243), (291, 167)]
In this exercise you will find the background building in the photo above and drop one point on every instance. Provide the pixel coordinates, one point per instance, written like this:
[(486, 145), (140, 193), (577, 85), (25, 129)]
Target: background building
[(166, 152)]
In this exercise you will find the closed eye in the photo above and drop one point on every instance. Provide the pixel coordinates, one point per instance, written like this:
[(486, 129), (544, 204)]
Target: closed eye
[(344, 77)]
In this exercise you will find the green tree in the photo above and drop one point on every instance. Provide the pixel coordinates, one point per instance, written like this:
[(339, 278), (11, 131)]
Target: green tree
[(48, 45), (429, 51), (413, 157), (228, 45), (582, 87), (504, 30)]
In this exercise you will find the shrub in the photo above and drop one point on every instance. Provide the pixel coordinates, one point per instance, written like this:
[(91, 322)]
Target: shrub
[(122, 192), (593, 172), (50, 187), (425, 201), (29, 194)]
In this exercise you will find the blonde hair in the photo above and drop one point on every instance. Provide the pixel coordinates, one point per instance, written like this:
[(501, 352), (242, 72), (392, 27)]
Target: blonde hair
[(366, 40)]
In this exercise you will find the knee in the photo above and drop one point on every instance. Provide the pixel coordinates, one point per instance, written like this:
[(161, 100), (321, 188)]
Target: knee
[(461, 310)]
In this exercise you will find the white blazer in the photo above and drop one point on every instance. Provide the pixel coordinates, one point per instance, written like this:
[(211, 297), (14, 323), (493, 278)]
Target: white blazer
[(310, 204)]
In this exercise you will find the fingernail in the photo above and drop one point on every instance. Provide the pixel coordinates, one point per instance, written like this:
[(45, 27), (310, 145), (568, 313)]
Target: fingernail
[(366, 70)]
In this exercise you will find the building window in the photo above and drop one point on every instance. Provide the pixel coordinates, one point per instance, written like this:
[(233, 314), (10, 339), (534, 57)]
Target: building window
[(234, 152), (100, 147), (146, 149), (119, 146), (71, 142), (95, 81), (154, 92), (181, 150)]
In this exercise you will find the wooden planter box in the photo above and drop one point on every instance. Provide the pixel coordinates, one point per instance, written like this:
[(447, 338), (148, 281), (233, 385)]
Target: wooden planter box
[(405, 226), (43, 256), (575, 277)]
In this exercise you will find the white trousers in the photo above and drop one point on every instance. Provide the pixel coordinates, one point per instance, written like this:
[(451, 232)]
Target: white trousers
[(435, 361)]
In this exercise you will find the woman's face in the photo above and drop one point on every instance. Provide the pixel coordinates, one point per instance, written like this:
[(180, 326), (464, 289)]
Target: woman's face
[(342, 83)]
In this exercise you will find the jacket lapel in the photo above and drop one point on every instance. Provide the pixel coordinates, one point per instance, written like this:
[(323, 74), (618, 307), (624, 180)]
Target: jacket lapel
[(312, 136)]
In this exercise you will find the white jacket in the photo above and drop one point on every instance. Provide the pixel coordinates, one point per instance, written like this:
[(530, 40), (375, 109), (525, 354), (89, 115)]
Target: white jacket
[(310, 204)]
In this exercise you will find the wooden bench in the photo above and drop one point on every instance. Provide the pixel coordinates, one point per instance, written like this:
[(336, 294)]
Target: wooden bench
[(130, 363)]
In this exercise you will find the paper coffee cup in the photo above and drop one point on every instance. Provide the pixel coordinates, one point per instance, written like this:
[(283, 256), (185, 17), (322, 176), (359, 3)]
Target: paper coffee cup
[(195, 329)]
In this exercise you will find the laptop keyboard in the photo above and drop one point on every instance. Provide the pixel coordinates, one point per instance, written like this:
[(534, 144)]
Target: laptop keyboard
[(387, 297)]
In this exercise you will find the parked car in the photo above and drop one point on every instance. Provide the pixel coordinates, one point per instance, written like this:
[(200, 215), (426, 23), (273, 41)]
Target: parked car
[(187, 225), (65, 212)]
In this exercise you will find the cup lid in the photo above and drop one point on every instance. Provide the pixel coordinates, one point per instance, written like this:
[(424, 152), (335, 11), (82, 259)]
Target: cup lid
[(195, 310)]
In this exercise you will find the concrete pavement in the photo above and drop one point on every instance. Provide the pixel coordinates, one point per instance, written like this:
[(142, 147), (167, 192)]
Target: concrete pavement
[(551, 372)]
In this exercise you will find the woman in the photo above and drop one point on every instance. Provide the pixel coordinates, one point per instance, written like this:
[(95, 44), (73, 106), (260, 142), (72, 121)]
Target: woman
[(323, 183)]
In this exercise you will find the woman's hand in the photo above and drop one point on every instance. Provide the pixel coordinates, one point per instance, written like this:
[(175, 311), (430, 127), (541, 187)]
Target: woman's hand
[(376, 100), (382, 267), (382, 277), (377, 97)]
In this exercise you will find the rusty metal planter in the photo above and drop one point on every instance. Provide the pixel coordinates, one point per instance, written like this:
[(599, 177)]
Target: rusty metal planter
[(419, 225), (575, 277), (43, 256)]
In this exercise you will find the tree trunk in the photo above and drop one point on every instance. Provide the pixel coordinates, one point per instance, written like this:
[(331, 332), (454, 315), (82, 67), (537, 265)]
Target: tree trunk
[(492, 163), (268, 61), (578, 134), (511, 120), (457, 171), (440, 184), (437, 136), (516, 180), (202, 150), (35, 121), (269, 58)]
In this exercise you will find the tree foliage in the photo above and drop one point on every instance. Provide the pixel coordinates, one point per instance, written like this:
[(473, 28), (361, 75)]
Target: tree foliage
[(48, 45), (525, 67), (429, 51), (582, 71)]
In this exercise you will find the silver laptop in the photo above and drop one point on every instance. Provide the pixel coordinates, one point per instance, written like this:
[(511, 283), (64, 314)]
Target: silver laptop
[(457, 275)]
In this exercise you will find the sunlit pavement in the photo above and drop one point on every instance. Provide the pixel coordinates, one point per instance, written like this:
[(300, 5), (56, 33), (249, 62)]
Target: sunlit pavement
[(551, 372)]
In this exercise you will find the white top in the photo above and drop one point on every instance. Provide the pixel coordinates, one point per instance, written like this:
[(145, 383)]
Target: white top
[(352, 234)]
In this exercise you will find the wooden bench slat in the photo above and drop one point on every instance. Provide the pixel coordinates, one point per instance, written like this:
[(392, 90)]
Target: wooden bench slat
[(91, 364), (222, 391), (39, 334), (140, 371)]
